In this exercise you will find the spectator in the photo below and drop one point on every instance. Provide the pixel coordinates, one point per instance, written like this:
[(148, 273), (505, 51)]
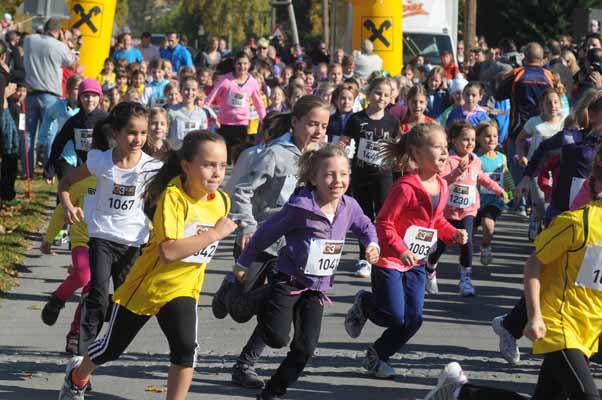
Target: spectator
[(448, 64), (14, 59), (129, 53), (223, 48), (558, 66), (177, 54), (211, 57), (263, 47), (149, 51), (366, 62), (44, 57)]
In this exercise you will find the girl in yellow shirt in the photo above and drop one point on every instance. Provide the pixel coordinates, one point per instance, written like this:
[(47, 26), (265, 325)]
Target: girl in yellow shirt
[(189, 221)]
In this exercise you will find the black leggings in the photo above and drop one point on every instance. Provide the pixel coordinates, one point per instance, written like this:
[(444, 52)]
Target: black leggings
[(465, 249), (235, 136), (564, 375), (177, 319), (370, 191)]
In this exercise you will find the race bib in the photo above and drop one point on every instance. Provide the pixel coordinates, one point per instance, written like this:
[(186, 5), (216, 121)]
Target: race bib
[(189, 126), (590, 272), (369, 152), (21, 121), (205, 255), (420, 241), (237, 100), (83, 139), (497, 177), (461, 196), (158, 102), (324, 256), (122, 198)]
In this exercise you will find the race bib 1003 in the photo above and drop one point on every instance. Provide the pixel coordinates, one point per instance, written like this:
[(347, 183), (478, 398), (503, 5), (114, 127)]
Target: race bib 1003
[(324, 256), (420, 241), (205, 255), (461, 196)]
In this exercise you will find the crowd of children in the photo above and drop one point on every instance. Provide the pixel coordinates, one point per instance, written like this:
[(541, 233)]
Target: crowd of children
[(410, 164)]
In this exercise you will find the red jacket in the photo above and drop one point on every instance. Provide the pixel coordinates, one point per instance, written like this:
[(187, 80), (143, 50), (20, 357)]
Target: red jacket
[(408, 203)]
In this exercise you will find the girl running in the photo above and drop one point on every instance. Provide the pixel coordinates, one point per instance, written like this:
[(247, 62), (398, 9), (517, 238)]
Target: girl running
[(371, 178), (539, 128), (470, 111), (417, 101), (167, 278), (117, 225), (437, 100), (186, 116), (495, 166), (408, 226), (344, 99), (314, 223), (463, 171), (158, 125)]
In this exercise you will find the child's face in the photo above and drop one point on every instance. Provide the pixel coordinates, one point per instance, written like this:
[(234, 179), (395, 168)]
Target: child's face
[(115, 96), (310, 80), (349, 69), (345, 101), (173, 97), (394, 92), (158, 74), (288, 73), (336, 75), (464, 143), (205, 78), (432, 156), (327, 95), (458, 98), (121, 81), (208, 168), (132, 137), (488, 139), (20, 94), (551, 105), (380, 97), (332, 178), (89, 101), (311, 128), (109, 66), (435, 81), (409, 74), (242, 66), (158, 127), (138, 80), (106, 104), (72, 93), (143, 67), (168, 71), (472, 96), (277, 97), (445, 59), (417, 105), (295, 96), (190, 91)]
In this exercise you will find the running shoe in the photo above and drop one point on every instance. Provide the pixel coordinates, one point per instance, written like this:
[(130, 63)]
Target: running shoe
[(430, 283), (52, 309), (265, 395), (486, 255), (377, 367), (69, 391), (72, 343), (534, 229), (245, 375), (355, 318), (363, 269), (450, 380), (508, 346), (466, 288)]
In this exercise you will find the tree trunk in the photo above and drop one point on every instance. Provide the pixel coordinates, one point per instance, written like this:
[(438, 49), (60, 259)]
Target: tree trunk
[(325, 23)]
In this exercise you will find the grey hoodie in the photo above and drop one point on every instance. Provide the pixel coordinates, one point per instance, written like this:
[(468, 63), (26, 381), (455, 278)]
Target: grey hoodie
[(266, 187)]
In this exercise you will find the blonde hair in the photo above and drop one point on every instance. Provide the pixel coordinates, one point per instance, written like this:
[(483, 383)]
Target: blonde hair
[(311, 161), (397, 153)]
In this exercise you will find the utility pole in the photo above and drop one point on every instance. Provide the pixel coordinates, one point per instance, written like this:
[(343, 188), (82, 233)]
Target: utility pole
[(325, 23), (470, 26), (291, 15)]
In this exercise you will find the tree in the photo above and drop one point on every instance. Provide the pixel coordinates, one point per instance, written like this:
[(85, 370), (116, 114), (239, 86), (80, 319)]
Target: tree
[(121, 14)]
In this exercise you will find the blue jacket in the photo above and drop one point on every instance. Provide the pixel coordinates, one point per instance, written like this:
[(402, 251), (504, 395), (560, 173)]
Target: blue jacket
[(336, 124), (299, 221), (179, 57), (437, 103), (474, 118)]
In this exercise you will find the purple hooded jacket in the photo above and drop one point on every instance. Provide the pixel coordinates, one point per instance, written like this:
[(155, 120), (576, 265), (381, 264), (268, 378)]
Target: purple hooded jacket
[(299, 221)]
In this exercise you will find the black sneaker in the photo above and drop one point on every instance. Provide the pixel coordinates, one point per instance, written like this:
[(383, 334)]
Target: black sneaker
[(218, 304), (245, 375), (52, 309), (265, 395)]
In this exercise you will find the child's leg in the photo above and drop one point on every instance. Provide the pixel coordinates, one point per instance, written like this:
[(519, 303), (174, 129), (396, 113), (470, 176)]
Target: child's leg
[(537, 201), (467, 223), (434, 257), (180, 329), (127, 255), (308, 323), (488, 230), (79, 277)]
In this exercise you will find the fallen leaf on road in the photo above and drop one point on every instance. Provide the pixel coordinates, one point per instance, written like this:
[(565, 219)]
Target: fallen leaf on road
[(35, 308), (26, 375), (156, 389)]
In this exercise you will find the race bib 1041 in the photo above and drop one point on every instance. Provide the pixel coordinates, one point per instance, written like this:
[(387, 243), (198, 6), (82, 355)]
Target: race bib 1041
[(324, 257)]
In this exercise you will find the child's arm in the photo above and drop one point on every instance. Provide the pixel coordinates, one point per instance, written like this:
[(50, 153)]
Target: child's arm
[(72, 214), (520, 143), (508, 180), (258, 102), (61, 139), (489, 183), (535, 328), (450, 174), (214, 94)]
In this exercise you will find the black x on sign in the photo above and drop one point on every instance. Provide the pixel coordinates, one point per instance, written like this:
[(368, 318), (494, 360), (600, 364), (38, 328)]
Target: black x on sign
[(87, 17), (379, 30)]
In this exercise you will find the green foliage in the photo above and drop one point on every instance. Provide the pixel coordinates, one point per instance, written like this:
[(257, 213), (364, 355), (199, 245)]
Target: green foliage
[(121, 13)]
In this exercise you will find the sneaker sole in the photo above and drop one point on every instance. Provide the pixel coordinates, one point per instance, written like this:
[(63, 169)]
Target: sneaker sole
[(238, 383), (497, 330)]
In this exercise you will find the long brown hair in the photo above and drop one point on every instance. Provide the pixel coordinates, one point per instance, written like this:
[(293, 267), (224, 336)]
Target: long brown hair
[(397, 153)]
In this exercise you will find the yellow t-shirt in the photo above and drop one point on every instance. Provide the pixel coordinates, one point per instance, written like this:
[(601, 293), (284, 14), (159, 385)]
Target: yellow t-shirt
[(152, 282), (572, 313), (102, 79), (80, 194), (253, 127)]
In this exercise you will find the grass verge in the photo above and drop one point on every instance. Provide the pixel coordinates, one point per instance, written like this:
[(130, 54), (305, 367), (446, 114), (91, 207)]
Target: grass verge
[(21, 221)]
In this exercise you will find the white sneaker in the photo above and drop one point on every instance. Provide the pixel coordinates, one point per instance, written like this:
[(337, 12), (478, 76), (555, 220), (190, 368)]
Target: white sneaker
[(69, 391), (466, 288), (355, 318), (364, 269), (508, 346), (430, 283), (377, 367), (486, 255), (450, 380)]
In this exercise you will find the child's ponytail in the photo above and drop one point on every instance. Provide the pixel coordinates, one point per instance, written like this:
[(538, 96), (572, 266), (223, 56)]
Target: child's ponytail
[(398, 153)]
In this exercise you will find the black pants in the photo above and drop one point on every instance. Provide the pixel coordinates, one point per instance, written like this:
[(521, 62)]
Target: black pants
[(235, 136), (8, 176), (517, 319), (177, 319), (370, 191), (304, 312), (62, 169), (107, 260), (465, 249), (563, 375)]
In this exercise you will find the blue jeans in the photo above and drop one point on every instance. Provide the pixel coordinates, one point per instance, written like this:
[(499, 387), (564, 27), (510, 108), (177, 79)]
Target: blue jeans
[(395, 303), (35, 105)]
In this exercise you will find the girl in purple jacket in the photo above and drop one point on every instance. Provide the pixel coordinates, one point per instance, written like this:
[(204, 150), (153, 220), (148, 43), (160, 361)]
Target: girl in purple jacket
[(314, 222)]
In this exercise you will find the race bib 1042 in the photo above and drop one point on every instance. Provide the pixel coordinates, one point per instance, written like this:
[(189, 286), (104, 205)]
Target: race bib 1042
[(205, 255)]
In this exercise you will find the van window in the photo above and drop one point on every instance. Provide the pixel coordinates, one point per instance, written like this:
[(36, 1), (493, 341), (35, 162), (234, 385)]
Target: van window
[(426, 44)]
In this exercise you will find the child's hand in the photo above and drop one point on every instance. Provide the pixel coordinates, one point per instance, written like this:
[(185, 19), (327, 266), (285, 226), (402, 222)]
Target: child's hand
[(535, 329), (73, 215), (224, 227), (372, 254), (45, 248), (240, 275), (408, 258), (217, 124), (460, 236), (523, 161), (463, 163), (504, 196)]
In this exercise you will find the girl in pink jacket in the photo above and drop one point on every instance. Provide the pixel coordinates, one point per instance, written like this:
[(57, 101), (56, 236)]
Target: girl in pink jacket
[(233, 94), (408, 225), (462, 172)]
